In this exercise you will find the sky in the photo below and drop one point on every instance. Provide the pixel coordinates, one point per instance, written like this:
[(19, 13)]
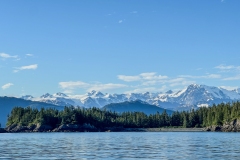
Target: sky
[(117, 46)]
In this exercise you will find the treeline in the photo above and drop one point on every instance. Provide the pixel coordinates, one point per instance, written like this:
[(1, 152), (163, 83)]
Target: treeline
[(202, 117)]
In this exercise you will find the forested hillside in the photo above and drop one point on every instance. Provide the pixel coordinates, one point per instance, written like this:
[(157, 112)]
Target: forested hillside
[(215, 115), (8, 103)]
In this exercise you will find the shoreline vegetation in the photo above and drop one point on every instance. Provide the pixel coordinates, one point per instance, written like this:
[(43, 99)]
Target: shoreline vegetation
[(221, 117), (24, 129)]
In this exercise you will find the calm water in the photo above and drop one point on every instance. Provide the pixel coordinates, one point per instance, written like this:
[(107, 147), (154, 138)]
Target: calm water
[(123, 145)]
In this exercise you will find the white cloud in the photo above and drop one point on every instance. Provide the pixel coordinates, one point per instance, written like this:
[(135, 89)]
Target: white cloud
[(71, 86), (32, 67), (229, 87), (30, 55), (129, 78), (179, 82), (152, 76), (153, 80), (237, 77), (6, 56), (105, 87), (149, 76), (120, 21), (143, 82), (6, 86), (176, 80), (213, 76), (209, 76), (225, 68)]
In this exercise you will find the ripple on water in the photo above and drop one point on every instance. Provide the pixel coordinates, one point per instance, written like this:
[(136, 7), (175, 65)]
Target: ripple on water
[(120, 145)]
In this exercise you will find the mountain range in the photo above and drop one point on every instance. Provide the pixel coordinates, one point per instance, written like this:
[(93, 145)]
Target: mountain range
[(192, 96)]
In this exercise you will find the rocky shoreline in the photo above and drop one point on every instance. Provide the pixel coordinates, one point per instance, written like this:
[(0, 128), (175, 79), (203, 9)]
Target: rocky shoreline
[(47, 128), (233, 126), (89, 128)]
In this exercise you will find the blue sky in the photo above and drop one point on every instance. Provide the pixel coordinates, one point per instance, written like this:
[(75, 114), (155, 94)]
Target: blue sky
[(117, 46)]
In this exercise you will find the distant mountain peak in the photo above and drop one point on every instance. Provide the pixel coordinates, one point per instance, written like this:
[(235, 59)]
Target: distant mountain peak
[(194, 85), (27, 97), (91, 93), (95, 93), (169, 92), (99, 94), (47, 95), (60, 94)]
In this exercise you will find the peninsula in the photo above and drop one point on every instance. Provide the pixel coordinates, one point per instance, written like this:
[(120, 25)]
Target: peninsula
[(222, 117)]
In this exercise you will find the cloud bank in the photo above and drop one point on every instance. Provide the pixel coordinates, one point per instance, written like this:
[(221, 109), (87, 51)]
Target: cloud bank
[(71, 86)]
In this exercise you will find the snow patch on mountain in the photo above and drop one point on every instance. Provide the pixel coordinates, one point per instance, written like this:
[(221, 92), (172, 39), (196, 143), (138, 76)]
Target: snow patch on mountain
[(192, 96)]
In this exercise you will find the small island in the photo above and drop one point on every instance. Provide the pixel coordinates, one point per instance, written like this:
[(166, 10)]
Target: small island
[(221, 117)]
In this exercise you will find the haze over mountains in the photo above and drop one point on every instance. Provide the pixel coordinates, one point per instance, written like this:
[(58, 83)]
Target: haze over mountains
[(193, 96)]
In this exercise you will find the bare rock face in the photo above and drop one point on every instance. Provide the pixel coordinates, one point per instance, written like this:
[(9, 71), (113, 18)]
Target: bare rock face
[(42, 128), (233, 126), (9, 128), (17, 128), (67, 128), (213, 129), (75, 128)]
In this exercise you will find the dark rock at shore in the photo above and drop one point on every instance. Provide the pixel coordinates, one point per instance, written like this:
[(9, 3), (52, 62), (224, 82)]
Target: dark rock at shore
[(43, 128), (114, 129), (16, 128), (33, 128), (47, 128), (213, 129), (67, 128), (2, 130), (76, 128), (233, 126), (10, 128)]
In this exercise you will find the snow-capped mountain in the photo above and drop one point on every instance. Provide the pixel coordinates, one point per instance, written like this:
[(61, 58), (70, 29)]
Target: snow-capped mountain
[(193, 96)]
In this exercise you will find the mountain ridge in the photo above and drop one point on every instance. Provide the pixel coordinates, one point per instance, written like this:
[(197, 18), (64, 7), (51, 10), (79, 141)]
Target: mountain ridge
[(192, 96), (135, 106), (8, 103)]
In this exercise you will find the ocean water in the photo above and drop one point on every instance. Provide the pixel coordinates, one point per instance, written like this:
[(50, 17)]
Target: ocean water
[(120, 145)]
